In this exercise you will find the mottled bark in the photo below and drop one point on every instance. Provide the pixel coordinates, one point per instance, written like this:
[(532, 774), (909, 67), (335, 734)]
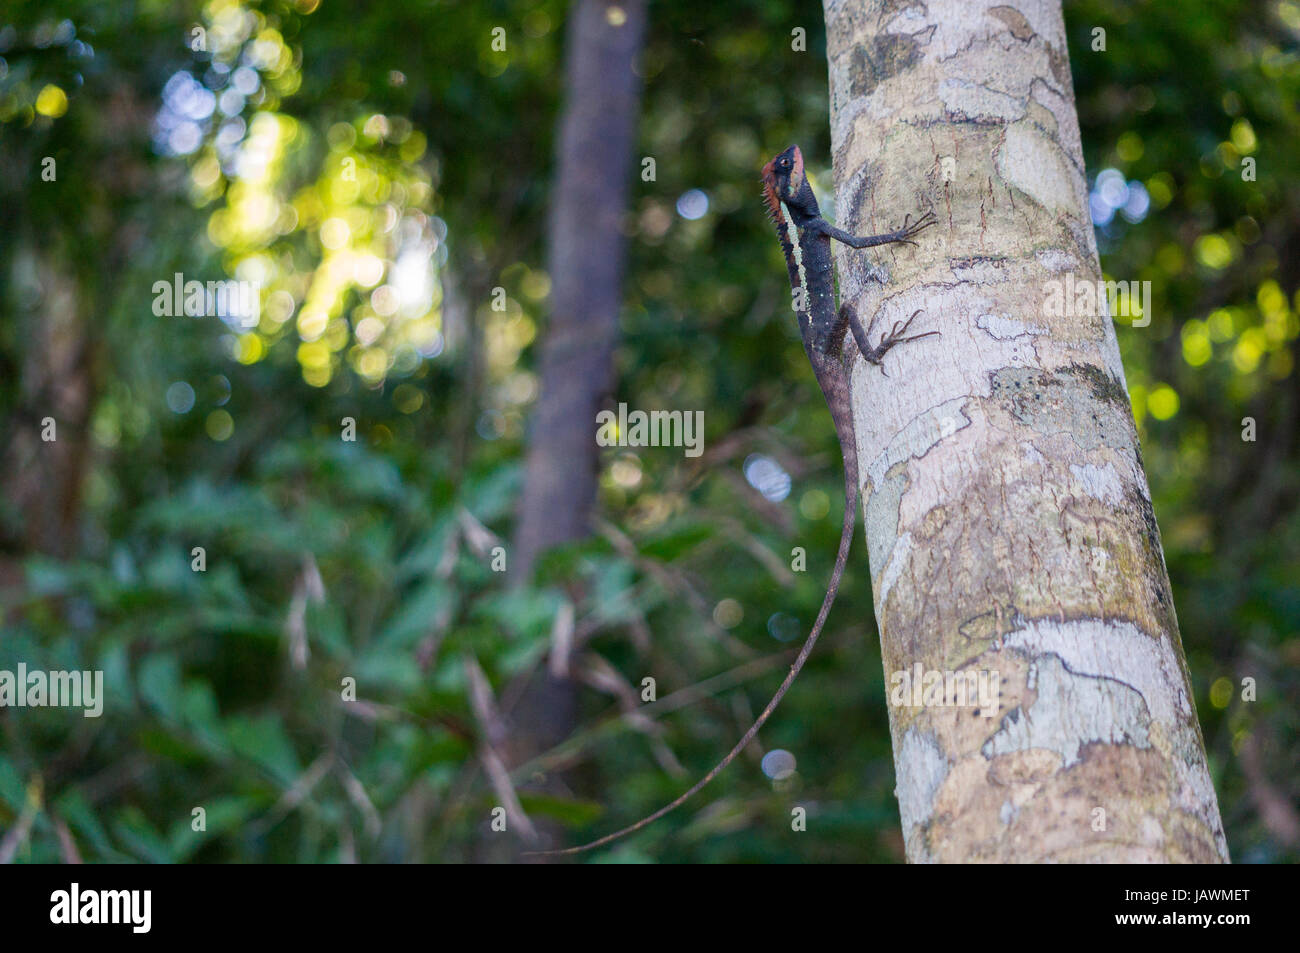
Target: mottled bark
[(1008, 517)]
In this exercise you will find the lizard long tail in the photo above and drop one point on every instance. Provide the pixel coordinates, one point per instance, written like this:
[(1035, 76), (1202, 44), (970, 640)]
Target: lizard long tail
[(846, 540)]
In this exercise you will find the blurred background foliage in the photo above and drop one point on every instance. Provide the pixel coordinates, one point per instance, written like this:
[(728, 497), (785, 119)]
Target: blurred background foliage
[(380, 171)]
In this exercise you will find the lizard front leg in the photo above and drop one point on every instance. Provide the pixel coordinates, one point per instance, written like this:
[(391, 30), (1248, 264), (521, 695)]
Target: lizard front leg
[(903, 234), (875, 355)]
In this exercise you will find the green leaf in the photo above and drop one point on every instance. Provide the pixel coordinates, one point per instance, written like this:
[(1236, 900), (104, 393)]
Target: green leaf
[(263, 741), (114, 663), (382, 669), (140, 837), (160, 685), (220, 815), (568, 811), (677, 542), (81, 819), (414, 615), (524, 613), (199, 706), (12, 790)]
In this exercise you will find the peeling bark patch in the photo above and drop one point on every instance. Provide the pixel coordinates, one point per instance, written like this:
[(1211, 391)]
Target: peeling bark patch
[(1114, 650), (1102, 483), (1103, 386), (898, 558), (1072, 710), (885, 56), (924, 775), (981, 631), (964, 100), (1057, 261), (1004, 327), (1060, 69), (1015, 21), (920, 434), (1043, 400), (1027, 161), (881, 517)]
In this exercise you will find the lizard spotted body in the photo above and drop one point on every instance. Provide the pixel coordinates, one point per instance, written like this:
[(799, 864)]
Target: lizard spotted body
[(806, 241)]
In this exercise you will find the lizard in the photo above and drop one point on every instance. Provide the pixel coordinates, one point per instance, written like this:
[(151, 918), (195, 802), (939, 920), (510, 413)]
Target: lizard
[(805, 239)]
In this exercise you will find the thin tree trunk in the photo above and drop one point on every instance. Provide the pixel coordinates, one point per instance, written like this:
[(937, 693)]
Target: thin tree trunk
[(585, 260), (43, 480), (1008, 518), (586, 251)]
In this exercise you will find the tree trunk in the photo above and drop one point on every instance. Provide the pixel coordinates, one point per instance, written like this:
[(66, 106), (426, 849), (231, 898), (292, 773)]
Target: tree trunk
[(585, 260), (42, 480), (1012, 540), (585, 239)]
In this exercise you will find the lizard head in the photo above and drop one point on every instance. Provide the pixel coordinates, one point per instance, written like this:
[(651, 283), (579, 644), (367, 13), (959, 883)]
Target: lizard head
[(784, 181)]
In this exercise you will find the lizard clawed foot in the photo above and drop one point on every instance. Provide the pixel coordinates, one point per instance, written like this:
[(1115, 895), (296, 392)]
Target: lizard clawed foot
[(910, 228), (895, 336)]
